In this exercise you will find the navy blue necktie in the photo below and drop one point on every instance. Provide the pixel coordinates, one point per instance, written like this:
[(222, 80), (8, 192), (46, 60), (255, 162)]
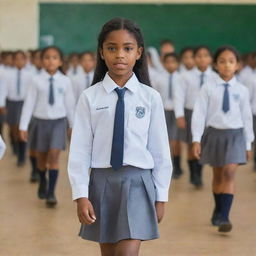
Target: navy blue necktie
[(87, 81), (117, 152), (18, 82), (202, 79), (170, 86), (225, 106), (51, 91)]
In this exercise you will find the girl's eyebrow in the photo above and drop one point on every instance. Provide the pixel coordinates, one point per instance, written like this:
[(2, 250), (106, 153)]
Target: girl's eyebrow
[(113, 43)]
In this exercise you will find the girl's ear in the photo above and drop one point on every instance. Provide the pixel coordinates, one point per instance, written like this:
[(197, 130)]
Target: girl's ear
[(139, 53), (101, 53)]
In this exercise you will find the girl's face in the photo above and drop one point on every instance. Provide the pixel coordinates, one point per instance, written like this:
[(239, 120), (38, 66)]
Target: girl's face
[(20, 61), (120, 52), (37, 60), (51, 61), (203, 59), (171, 64), (227, 64), (188, 59), (87, 62)]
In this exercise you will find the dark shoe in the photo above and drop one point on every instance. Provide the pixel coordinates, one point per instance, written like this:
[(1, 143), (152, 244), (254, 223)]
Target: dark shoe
[(42, 190), (34, 177), (191, 171), (216, 218), (198, 175), (20, 163), (176, 173), (225, 226), (51, 200)]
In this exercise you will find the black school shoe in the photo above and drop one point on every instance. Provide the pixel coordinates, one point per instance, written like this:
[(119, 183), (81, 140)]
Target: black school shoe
[(42, 190), (51, 200), (216, 218), (34, 176), (225, 226), (177, 173)]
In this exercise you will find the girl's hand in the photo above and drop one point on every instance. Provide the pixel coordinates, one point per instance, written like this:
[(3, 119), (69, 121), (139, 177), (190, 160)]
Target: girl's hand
[(85, 211), (249, 155), (159, 211), (196, 150), (2, 111), (23, 135), (181, 123)]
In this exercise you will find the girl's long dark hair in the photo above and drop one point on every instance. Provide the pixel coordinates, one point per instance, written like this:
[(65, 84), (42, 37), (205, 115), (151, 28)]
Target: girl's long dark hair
[(141, 68)]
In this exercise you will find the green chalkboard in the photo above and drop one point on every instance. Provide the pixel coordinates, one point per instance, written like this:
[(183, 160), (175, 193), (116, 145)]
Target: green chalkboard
[(74, 27)]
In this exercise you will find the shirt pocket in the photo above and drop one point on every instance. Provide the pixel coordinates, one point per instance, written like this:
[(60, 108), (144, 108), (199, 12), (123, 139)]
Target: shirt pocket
[(139, 119)]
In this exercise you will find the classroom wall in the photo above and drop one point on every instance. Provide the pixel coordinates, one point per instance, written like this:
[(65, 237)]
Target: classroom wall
[(19, 18)]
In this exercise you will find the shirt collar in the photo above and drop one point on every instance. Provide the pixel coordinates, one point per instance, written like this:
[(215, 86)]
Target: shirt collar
[(110, 85), (231, 82), (47, 75), (206, 72)]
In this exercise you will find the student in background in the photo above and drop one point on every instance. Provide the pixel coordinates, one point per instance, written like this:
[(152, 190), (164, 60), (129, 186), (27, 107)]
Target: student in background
[(36, 61), (16, 83), (187, 59), (83, 79), (247, 71), (223, 107), (151, 70), (50, 101), (165, 84), (74, 65), (184, 101)]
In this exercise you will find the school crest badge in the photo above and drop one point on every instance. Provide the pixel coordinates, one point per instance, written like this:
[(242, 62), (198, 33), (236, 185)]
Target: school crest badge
[(60, 90), (140, 112), (236, 97)]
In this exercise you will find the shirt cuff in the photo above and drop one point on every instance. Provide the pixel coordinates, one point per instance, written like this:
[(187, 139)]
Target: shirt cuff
[(179, 114), (23, 127), (248, 146), (80, 191), (197, 138), (162, 195)]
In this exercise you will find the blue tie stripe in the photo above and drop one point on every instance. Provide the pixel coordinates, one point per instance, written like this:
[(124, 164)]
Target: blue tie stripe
[(170, 86), (117, 152), (202, 79), (225, 106), (51, 91)]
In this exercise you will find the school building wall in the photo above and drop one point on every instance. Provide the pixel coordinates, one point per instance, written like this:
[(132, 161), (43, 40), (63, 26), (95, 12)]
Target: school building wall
[(19, 19)]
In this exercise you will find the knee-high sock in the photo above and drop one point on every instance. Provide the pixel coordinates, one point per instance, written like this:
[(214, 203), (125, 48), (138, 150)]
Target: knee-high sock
[(226, 203), (53, 176)]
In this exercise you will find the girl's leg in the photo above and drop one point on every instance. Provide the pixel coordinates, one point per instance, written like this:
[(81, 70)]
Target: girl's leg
[(33, 161), (53, 161), (13, 139), (128, 247), (228, 189), (107, 249), (42, 168), (217, 190), (176, 152), (21, 146)]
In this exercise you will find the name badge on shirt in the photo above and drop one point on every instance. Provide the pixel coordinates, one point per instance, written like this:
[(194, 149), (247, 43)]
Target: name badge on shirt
[(100, 108), (236, 97), (140, 112)]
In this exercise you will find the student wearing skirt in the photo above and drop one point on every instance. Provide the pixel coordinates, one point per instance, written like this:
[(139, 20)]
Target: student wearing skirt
[(166, 84), (50, 101), (184, 101), (120, 134), (223, 106), (16, 84)]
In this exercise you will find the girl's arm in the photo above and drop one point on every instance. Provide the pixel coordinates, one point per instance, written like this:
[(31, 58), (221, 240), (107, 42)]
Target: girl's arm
[(2, 147), (28, 107), (79, 161), (70, 103), (199, 114), (158, 146), (247, 119)]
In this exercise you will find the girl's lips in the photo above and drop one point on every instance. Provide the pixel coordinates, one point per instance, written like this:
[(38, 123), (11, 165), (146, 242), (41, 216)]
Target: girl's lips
[(120, 65)]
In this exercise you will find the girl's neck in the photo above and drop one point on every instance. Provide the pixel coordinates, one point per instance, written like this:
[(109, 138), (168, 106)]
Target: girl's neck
[(120, 80), (226, 78), (52, 73), (202, 69)]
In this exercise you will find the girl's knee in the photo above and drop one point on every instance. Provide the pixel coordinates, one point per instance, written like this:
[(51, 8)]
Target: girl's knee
[(228, 175)]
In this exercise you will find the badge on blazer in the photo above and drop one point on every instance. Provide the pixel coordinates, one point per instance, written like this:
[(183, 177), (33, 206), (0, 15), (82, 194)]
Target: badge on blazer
[(140, 112)]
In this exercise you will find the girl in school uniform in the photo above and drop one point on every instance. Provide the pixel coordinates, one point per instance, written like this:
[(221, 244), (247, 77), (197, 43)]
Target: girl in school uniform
[(50, 101), (83, 79), (223, 107), (16, 83), (120, 133), (74, 66), (184, 101), (187, 59), (165, 84), (2, 147)]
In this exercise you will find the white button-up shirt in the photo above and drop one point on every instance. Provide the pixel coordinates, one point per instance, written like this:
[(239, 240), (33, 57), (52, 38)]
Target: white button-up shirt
[(79, 82), (37, 100), (2, 147), (162, 84), (251, 85), (10, 90), (208, 109), (145, 136), (186, 94), (244, 74)]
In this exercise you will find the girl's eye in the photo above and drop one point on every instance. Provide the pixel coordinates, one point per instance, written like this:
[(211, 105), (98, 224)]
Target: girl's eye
[(111, 48), (128, 49)]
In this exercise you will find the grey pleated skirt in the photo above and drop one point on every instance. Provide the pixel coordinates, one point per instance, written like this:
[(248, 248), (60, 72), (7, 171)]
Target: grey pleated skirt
[(47, 134), (172, 128), (14, 109), (124, 204), (186, 134), (221, 147)]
